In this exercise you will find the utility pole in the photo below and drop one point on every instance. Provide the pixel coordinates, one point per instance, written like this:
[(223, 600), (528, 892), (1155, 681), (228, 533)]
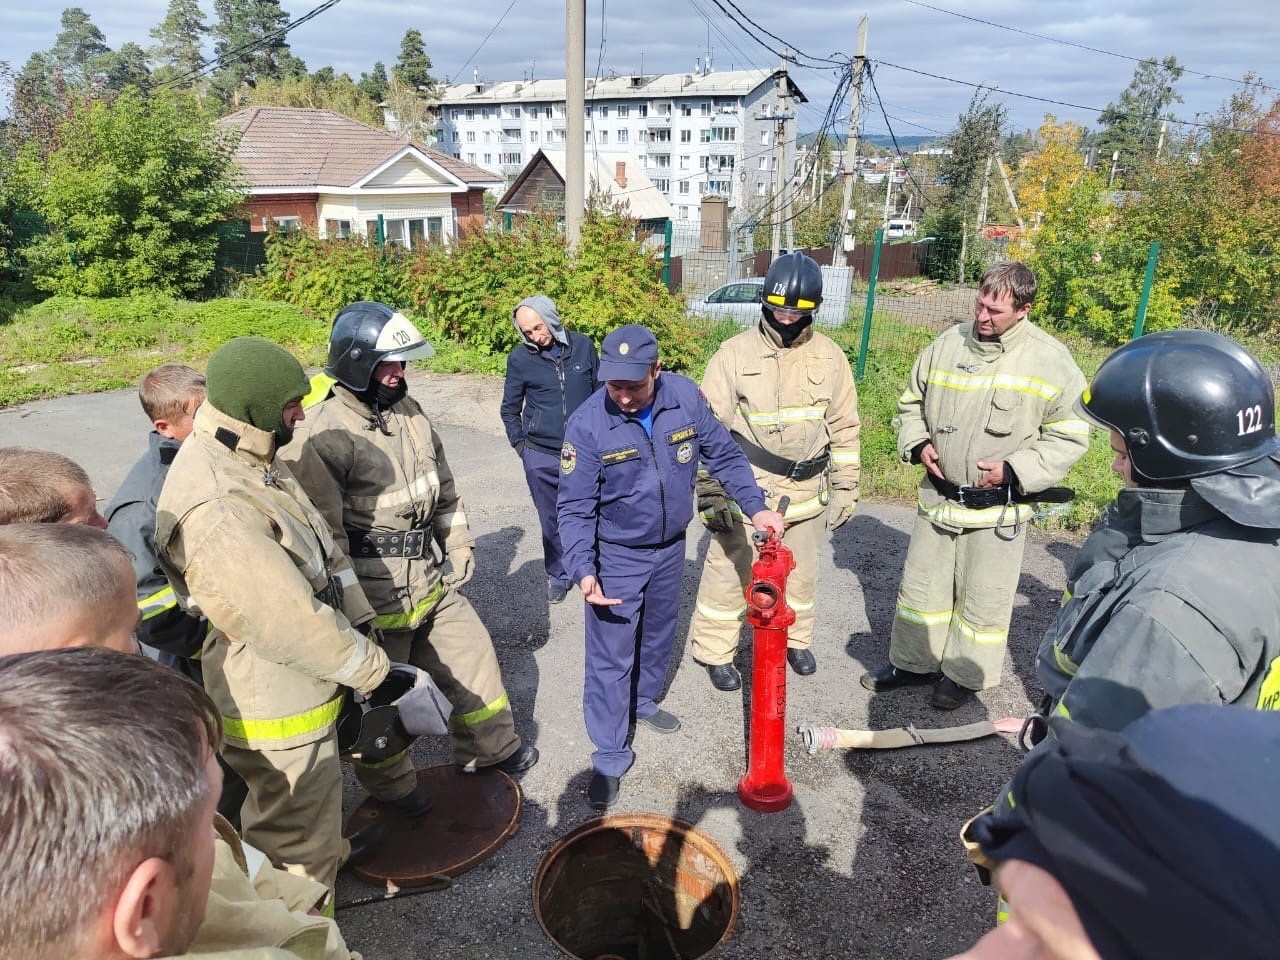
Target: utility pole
[(981, 220), (839, 254), (777, 207), (1008, 192), (888, 190), (575, 72)]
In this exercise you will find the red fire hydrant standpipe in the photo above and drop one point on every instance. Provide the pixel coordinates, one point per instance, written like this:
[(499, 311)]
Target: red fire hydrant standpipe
[(765, 786)]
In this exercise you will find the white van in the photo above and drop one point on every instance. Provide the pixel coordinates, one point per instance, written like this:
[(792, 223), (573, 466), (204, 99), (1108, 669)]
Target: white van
[(896, 229)]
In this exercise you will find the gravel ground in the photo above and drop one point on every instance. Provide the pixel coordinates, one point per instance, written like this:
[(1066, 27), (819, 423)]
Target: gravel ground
[(864, 864)]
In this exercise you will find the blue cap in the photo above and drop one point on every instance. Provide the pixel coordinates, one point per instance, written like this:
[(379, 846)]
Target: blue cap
[(627, 353)]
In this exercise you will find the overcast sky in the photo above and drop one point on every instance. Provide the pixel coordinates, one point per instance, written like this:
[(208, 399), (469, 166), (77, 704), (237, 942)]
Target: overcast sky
[(1225, 38)]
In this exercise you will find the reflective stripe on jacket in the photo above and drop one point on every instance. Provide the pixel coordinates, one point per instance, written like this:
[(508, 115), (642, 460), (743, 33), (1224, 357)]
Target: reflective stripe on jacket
[(794, 402), (241, 543), (1008, 399), (362, 479)]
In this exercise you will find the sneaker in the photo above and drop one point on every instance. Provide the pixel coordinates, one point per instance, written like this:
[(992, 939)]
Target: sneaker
[(556, 594), (603, 791), (661, 720)]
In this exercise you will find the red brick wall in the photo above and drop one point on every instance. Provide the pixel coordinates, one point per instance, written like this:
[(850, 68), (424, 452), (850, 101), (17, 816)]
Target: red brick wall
[(301, 205)]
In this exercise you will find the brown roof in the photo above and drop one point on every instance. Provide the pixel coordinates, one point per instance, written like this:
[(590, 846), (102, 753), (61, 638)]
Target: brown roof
[(305, 148)]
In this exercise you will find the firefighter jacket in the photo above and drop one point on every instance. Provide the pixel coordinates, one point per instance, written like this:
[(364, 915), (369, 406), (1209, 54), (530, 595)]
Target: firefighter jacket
[(624, 485), (254, 909), (241, 543), (363, 480), (131, 519), (1167, 602), (1007, 399), (796, 402)]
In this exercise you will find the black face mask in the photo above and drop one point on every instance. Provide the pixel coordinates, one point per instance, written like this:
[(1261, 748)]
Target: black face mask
[(788, 331), (380, 396)]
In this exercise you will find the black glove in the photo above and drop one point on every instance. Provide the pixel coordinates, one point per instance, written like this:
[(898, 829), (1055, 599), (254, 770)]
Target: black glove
[(713, 506)]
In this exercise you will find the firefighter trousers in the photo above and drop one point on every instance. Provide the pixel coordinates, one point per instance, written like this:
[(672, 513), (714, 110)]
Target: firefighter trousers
[(718, 612), (293, 811), (955, 602), (454, 648)]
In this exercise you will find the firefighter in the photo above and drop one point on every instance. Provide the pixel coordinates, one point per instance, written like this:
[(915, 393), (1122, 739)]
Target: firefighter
[(375, 467), (988, 412), (787, 395), (242, 544), (1175, 596), (627, 471)]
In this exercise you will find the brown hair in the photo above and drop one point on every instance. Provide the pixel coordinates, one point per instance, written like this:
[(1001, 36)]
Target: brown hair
[(166, 391), (51, 569), (34, 485), (1013, 278), (102, 766)]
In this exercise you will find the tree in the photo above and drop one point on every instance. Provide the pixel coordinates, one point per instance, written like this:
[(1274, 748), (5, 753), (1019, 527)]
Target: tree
[(1131, 126), (1045, 175), (40, 102), (250, 35), (973, 143), (119, 69), (413, 67), (133, 197), (340, 95), (412, 115), (77, 44), (178, 37), (374, 83)]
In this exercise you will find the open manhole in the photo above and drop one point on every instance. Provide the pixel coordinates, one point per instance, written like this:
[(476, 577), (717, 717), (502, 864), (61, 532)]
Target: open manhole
[(636, 887)]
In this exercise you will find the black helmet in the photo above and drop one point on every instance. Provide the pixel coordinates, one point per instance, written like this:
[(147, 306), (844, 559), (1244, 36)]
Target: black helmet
[(367, 333), (1188, 404), (794, 281), (405, 706)]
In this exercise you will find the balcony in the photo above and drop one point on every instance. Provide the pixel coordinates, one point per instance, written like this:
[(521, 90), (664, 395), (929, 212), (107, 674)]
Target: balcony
[(658, 123)]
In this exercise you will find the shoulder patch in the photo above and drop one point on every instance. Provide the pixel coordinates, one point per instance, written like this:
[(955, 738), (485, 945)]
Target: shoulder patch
[(568, 458)]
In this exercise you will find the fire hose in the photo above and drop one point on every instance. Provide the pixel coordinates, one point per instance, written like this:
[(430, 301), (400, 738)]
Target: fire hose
[(832, 738)]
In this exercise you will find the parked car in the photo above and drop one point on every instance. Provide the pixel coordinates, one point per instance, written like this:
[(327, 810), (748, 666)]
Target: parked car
[(896, 229), (739, 300)]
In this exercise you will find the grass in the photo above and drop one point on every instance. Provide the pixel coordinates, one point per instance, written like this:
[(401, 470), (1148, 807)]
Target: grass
[(71, 345)]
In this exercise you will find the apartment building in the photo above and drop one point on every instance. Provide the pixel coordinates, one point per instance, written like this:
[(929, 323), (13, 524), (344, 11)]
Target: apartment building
[(697, 135)]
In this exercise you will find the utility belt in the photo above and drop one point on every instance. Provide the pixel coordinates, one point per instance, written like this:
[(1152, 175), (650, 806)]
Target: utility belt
[(980, 498), (781, 466), (408, 544)]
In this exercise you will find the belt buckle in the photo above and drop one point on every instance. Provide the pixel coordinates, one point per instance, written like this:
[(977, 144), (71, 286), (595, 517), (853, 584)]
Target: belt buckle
[(961, 491), (414, 544), (794, 472)]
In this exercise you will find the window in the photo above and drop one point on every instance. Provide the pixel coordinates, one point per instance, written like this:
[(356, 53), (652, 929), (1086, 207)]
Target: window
[(587, 113), (662, 161), (604, 136), (547, 113), (488, 158), (471, 114), (721, 187), (487, 136), (702, 162), (337, 229), (761, 187), (604, 112), (704, 108), (662, 184), (642, 110), (471, 158), (586, 136), (624, 110), (764, 136), (686, 136), (764, 163), (682, 213), (287, 224), (456, 136), (684, 161), (724, 134), (686, 110), (471, 136), (704, 136), (624, 136), (533, 136), (484, 113), (661, 136), (559, 110), (701, 189), (410, 233), (510, 159), (684, 186)]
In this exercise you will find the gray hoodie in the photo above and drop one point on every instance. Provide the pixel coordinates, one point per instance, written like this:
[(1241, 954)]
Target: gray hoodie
[(544, 308)]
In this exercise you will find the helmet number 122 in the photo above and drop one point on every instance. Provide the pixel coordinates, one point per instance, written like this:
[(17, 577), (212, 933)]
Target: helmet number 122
[(1249, 419)]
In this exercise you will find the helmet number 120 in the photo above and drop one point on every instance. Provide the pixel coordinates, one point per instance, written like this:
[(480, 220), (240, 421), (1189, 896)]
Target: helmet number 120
[(1249, 419)]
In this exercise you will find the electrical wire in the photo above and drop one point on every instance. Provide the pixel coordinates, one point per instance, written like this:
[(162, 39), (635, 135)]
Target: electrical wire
[(1078, 46), (897, 149), (473, 53), (247, 48)]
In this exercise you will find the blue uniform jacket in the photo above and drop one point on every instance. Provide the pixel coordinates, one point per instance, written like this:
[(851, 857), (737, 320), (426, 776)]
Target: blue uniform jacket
[(618, 485), (544, 388)]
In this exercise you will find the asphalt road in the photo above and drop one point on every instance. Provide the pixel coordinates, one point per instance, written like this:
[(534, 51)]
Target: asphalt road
[(864, 864)]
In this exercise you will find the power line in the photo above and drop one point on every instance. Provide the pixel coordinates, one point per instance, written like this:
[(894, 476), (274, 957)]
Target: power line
[(722, 35), (245, 49), (897, 149), (492, 30), (1069, 43), (790, 46)]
